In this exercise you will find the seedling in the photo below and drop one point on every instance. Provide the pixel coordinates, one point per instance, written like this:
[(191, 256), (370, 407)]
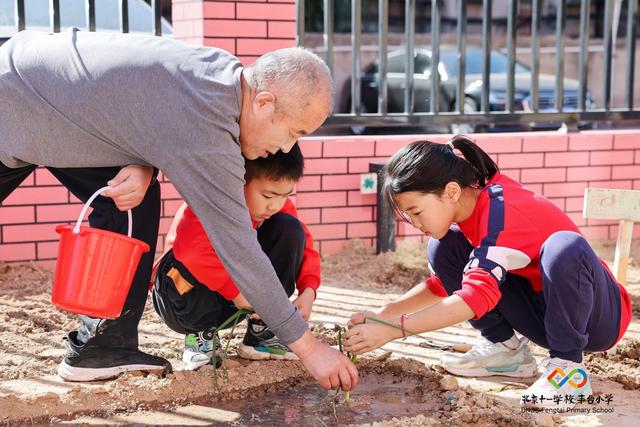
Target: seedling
[(234, 319), (347, 394), (461, 348)]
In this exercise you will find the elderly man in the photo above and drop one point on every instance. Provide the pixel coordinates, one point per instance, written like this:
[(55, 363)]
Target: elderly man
[(96, 108)]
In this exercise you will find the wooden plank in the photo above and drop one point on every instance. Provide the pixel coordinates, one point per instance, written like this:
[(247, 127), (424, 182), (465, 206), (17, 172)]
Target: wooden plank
[(623, 247), (621, 205), (604, 203)]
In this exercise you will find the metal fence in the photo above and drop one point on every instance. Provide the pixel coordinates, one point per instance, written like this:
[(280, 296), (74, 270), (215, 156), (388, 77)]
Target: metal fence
[(90, 16), (553, 107)]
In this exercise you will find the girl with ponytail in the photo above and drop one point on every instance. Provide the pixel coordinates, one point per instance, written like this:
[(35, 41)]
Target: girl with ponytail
[(503, 258)]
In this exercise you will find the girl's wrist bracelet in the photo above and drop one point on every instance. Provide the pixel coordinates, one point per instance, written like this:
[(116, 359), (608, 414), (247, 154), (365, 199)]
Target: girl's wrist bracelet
[(403, 317)]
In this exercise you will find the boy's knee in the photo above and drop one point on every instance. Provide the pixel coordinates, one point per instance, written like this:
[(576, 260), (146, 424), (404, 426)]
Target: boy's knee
[(286, 227)]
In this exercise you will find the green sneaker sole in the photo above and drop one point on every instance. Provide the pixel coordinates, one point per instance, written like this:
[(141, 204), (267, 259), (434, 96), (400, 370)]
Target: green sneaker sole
[(264, 353)]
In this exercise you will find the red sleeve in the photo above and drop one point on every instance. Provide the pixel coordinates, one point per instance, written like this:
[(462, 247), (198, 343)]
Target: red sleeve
[(480, 291), (193, 249), (309, 276), (434, 284)]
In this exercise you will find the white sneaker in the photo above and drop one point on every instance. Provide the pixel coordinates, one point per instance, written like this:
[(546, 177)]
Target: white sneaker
[(487, 359), (560, 385), (198, 349)]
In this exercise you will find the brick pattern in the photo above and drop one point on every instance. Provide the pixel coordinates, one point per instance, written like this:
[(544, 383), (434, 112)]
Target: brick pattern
[(558, 166), (328, 197), (246, 28), (187, 17)]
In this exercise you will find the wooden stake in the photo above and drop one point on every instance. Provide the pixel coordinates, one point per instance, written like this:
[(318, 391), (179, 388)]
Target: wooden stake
[(623, 247), (620, 205)]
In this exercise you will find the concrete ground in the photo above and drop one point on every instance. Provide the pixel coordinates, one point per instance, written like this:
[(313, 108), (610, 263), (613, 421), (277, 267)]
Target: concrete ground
[(331, 307)]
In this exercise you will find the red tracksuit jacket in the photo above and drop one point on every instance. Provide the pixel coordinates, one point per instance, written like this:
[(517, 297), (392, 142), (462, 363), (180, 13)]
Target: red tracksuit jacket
[(511, 235), (193, 249)]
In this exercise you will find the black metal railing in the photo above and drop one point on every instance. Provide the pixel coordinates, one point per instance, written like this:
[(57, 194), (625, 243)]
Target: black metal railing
[(90, 16), (539, 105)]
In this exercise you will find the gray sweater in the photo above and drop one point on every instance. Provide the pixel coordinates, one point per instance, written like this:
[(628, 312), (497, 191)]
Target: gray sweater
[(80, 99)]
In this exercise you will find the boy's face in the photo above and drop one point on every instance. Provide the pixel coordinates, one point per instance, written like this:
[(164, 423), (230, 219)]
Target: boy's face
[(266, 197)]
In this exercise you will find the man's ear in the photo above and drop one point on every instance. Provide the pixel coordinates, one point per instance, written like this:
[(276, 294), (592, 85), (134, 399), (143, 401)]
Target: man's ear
[(264, 102), (452, 191)]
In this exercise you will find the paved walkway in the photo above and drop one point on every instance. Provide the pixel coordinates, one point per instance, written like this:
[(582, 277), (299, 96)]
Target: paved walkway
[(335, 305)]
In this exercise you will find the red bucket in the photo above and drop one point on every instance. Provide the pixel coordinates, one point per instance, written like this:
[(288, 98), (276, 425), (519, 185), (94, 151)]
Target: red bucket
[(95, 268)]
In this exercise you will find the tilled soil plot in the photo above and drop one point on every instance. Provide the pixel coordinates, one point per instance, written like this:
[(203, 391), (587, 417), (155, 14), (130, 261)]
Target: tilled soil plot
[(31, 332), (31, 329), (622, 367), (391, 272), (399, 392)]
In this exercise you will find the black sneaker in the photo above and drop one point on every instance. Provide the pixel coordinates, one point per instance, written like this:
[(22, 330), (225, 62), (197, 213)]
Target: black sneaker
[(90, 362), (260, 343)]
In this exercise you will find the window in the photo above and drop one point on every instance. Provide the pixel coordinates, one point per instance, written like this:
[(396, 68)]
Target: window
[(396, 63)]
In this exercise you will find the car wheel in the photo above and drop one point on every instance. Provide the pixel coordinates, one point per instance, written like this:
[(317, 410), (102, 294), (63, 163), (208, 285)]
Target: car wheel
[(466, 128), (359, 130)]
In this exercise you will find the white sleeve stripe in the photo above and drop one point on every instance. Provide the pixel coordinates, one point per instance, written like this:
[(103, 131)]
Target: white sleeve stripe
[(507, 258)]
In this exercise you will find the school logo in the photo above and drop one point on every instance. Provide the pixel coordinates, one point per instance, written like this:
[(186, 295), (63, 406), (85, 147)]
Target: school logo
[(558, 378)]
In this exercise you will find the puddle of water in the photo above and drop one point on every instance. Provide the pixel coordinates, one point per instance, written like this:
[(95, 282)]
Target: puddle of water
[(378, 397)]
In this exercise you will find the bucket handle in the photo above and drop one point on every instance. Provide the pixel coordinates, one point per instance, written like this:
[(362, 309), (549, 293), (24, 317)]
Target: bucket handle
[(76, 229)]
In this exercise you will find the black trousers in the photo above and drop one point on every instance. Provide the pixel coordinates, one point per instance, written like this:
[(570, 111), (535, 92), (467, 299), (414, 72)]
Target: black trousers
[(282, 239), (83, 182)]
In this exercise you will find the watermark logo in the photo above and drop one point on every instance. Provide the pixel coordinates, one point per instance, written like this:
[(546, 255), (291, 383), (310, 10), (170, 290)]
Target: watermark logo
[(565, 403), (558, 378)]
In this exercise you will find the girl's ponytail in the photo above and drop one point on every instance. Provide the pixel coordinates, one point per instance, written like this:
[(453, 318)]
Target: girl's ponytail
[(427, 167), (484, 166)]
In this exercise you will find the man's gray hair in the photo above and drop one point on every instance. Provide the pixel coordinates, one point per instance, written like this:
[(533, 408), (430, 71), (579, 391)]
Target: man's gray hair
[(295, 74)]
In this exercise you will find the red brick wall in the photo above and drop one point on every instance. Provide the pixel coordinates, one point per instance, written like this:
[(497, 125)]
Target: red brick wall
[(246, 28), (328, 197), (558, 166)]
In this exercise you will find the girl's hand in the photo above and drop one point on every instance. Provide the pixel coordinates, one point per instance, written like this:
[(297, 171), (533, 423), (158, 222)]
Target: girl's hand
[(360, 317), (365, 337), (304, 303), (129, 186)]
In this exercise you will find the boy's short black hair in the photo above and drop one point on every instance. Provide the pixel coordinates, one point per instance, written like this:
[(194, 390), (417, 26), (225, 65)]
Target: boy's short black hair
[(277, 166)]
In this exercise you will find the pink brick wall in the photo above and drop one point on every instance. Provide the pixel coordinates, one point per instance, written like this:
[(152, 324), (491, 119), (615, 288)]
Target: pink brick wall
[(556, 165), (328, 197), (187, 17), (329, 200), (246, 28)]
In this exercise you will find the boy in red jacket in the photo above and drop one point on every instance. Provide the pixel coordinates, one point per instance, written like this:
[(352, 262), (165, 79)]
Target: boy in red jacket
[(192, 291)]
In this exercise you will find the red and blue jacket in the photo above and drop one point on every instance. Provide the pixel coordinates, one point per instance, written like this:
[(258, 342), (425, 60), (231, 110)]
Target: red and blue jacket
[(193, 249), (507, 229)]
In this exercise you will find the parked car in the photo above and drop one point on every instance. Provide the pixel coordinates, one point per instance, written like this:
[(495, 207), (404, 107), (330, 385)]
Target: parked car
[(448, 71)]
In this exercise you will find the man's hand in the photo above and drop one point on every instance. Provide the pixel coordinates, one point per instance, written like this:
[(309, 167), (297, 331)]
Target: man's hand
[(365, 337), (129, 186), (304, 303), (328, 366)]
